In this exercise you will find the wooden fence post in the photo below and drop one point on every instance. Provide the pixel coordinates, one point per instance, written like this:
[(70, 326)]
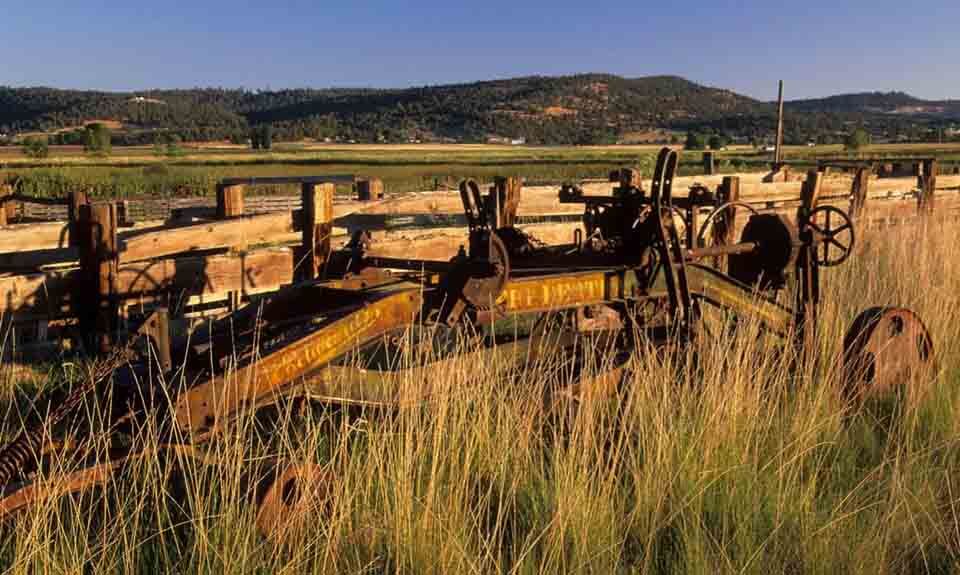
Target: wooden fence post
[(725, 222), (317, 222), (94, 296), (229, 206), (708, 163), (123, 214), (369, 189), (76, 200), (858, 192), (229, 201), (808, 274), (7, 209), (928, 185), (506, 194)]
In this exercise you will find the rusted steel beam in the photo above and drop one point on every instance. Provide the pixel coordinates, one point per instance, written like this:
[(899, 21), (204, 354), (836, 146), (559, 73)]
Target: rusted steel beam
[(39, 491), (74, 482)]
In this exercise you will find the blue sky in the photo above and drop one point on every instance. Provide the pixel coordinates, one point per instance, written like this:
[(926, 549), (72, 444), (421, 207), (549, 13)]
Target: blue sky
[(818, 47)]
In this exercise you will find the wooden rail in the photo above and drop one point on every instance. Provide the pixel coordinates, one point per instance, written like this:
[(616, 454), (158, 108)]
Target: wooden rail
[(91, 269)]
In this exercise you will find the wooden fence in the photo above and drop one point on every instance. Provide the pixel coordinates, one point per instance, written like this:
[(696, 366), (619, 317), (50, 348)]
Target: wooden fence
[(101, 265)]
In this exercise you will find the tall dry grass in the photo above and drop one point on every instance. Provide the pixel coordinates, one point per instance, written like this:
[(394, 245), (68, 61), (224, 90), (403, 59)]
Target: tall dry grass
[(741, 459)]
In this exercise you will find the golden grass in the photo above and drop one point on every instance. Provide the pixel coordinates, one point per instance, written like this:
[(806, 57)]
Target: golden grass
[(736, 459)]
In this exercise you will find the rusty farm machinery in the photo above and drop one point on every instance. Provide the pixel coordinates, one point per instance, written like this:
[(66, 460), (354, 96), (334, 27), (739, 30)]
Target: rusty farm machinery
[(639, 268)]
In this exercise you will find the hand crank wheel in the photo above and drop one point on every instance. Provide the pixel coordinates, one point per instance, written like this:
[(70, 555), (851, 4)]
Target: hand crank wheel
[(833, 229)]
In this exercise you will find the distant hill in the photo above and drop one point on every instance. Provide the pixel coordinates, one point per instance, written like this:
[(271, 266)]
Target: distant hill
[(878, 103), (589, 108)]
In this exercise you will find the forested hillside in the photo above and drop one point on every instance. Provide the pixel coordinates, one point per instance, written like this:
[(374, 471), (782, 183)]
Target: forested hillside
[(591, 108)]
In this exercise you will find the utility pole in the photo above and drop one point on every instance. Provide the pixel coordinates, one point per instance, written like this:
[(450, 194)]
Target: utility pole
[(778, 154)]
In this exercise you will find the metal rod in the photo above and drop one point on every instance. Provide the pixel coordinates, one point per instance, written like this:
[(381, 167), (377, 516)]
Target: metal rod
[(708, 252), (408, 264)]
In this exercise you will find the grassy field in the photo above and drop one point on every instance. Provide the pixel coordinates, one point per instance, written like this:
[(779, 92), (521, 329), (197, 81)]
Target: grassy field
[(138, 172), (742, 461), (201, 180)]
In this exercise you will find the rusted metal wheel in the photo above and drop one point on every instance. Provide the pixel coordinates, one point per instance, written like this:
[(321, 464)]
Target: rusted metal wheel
[(884, 348), (482, 292), (295, 497), (777, 240)]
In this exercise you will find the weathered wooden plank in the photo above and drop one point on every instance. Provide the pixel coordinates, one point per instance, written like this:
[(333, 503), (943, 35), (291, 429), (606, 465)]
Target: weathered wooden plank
[(33, 259), (249, 230), (24, 237), (50, 235), (443, 243), (247, 273), (36, 292)]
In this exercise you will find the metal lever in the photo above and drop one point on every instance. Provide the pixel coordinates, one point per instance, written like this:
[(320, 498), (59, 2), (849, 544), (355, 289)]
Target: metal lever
[(473, 204)]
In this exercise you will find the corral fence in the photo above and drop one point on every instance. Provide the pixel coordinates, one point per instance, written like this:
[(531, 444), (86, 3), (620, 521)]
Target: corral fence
[(102, 265)]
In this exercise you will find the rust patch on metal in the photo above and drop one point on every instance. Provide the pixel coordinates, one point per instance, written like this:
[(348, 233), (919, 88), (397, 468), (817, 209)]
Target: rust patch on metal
[(292, 501), (884, 348)]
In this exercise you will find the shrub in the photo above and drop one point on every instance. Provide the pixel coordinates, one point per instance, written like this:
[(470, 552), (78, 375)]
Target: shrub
[(857, 139), (695, 141), (36, 147), (96, 139)]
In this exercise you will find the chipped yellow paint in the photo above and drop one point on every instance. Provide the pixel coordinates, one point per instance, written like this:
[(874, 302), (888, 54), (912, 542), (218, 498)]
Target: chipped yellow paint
[(555, 293), (206, 405), (775, 317)]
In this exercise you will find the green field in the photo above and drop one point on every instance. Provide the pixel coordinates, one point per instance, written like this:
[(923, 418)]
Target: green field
[(138, 172)]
